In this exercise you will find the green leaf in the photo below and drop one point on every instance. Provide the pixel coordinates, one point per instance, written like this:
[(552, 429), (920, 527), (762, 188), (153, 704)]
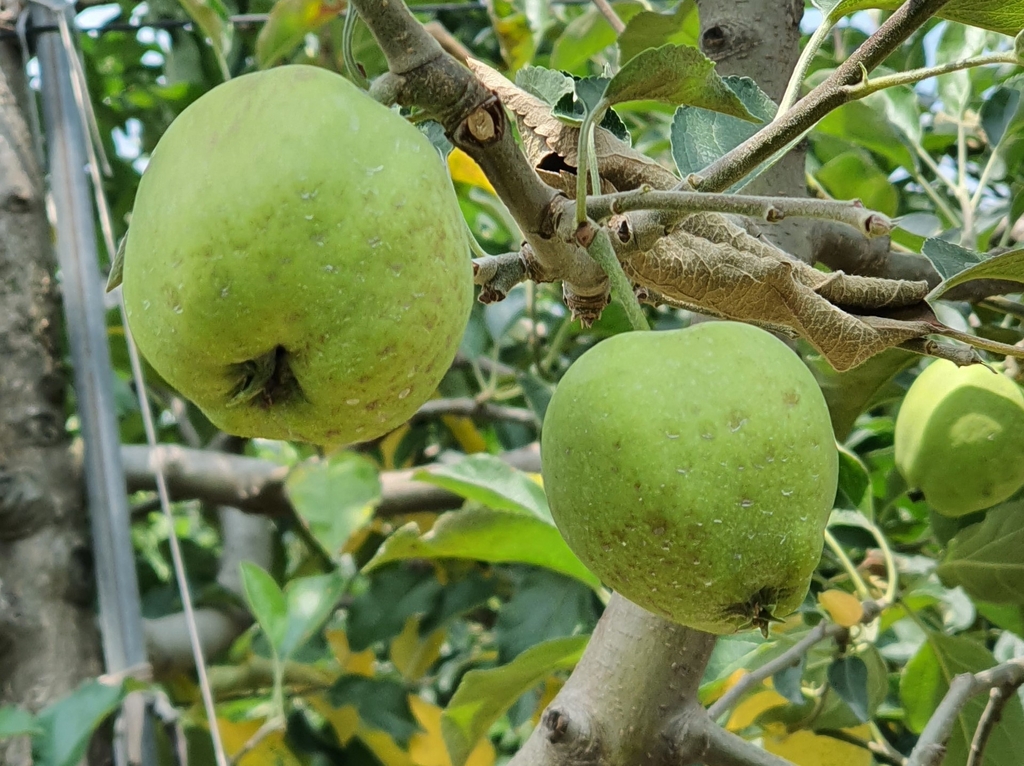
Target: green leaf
[(848, 676), (483, 534), (545, 605), (66, 726), (586, 36), (382, 704), (854, 484), (1005, 616), (926, 680), (1008, 266), (649, 29), (14, 721), (590, 91), (987, 559), (854, 175), (289, 23), (787, 682), (999, 111), (949, 259), (310, 602), (483, 695), (699, 136), (334, 497), (850, 393), (677, 75), (546, 84), (490, 482), (266, 602), (852, 696), (213, 19), (867, 124), (395, 594), (1005, 16), (956, 43)]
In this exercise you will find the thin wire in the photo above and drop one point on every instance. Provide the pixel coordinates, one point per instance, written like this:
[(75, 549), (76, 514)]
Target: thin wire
[(106, 224)]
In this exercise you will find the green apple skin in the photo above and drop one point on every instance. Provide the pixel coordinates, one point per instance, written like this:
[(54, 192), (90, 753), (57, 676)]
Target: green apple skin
[(289, 224), (694, 471), (960, 437)]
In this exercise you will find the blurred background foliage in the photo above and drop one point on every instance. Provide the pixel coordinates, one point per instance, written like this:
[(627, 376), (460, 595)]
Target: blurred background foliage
[(484, 618)]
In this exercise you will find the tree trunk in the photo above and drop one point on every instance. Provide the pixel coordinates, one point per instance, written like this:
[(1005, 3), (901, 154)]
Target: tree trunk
[(760, 39), (48, 637)]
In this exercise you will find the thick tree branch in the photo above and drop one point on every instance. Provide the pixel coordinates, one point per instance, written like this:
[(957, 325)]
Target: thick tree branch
[(768, 209), (257, 486), (723, 748), (931, 746), (424, 76), (829, 95), (637, 679)]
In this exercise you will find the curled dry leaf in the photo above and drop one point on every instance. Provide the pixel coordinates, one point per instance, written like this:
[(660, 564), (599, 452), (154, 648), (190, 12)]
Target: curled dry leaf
[(710, 264)]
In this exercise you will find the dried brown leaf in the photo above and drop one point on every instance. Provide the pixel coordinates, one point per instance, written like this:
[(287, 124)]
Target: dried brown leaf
[(708, 264)]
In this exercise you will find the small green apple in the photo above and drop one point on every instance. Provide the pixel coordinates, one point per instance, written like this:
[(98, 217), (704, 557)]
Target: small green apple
[(297, 264), (694, 471), (960, 437)]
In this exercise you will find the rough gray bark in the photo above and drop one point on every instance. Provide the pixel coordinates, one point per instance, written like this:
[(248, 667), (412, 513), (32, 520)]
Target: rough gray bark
[(761, 40), (48, 638)]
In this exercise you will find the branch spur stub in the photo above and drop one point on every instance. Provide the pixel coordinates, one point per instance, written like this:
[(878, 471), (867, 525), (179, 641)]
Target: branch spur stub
[(568, 730), (586, 308), (483, 126)]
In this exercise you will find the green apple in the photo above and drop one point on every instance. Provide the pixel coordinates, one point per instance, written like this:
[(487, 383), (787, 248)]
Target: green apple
[(960, 437), (694, 471), (297, 264)]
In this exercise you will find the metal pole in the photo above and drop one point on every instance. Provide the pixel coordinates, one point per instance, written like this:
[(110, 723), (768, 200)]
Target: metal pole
[(81, 285)]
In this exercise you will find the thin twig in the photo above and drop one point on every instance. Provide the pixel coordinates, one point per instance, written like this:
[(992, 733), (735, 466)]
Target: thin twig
[(997, 698), (256, 486), (601, 250), (931, 745), (870, 86), (768, 209), (609, 13), (820, 632), (269, 727), (787, 659), (471, 408)]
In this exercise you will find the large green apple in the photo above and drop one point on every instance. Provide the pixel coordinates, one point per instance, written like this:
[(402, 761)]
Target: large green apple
[(960, 437), (694, 471), (297, 264)]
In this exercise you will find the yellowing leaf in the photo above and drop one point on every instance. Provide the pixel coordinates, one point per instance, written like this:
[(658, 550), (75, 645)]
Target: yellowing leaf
[(290, 21), (711, 692), (345, 719), (745, 713), (413, 655), (805, 748), (384, 748), (389, 445), (844, 608), (271, 748), (552, 686), (465, 170), (360, 664), (423, 519), (465, 433), (427, 748)]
